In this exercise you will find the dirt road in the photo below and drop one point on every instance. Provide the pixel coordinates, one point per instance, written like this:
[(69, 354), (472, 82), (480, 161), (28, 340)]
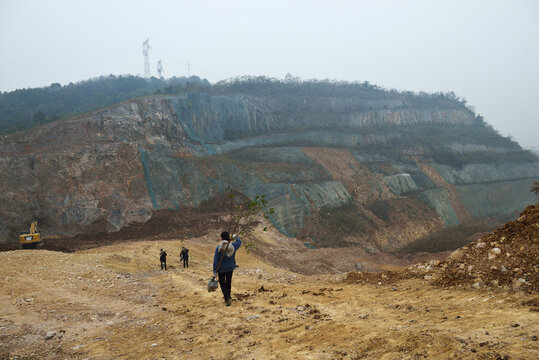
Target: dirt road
[(115, 303)]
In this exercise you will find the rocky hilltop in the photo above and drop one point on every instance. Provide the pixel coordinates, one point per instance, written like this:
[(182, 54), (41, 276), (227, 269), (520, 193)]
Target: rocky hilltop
[(342, 166)]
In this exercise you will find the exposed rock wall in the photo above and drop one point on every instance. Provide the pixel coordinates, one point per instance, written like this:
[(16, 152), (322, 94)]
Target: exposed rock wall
[(401, 183), (104, 170), (69, 191)]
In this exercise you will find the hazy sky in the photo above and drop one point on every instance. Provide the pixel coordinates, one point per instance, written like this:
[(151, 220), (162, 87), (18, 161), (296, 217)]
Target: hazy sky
[(486, 51)]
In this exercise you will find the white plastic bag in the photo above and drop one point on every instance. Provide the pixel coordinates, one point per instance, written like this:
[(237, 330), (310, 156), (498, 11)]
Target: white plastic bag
[(213, 284)]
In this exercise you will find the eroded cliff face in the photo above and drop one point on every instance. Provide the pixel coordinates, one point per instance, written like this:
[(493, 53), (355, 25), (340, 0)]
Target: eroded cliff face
[(107, 169)]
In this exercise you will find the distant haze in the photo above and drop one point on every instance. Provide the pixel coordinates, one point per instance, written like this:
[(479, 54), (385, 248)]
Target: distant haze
[(486, 51)]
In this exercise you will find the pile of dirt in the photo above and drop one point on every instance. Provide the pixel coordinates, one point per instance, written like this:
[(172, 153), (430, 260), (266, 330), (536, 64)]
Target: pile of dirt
[(505, 258)]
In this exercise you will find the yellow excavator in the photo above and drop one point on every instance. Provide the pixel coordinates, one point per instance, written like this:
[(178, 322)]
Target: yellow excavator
[(32, 239)]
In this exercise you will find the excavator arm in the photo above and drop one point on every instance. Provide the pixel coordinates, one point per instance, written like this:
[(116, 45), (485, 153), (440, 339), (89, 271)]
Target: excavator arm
[(31, 239)]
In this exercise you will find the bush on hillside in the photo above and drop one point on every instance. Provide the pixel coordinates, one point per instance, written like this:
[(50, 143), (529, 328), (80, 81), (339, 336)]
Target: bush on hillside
[(449, 238)]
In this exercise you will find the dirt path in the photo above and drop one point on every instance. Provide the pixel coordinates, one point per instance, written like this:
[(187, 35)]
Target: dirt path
[(114, 303)]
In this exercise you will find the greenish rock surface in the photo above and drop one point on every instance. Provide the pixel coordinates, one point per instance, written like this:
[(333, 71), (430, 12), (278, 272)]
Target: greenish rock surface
[(438, 199), (104, 170), (400, 183), (493, 199)]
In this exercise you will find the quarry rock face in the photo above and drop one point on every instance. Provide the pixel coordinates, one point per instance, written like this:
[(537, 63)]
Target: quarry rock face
[(102, 171)]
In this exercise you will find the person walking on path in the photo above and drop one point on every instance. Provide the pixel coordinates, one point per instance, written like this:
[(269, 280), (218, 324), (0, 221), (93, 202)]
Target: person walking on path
[(224, 263), (163, 259), (184, 255)]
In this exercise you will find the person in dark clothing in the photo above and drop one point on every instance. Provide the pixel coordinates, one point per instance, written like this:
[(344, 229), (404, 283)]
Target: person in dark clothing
[(225, 254), (184, 255), (163, 259)]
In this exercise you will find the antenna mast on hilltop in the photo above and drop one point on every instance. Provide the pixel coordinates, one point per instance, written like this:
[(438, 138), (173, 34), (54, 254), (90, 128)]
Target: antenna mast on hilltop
[(146, 51), (188, 69), (160, 68)]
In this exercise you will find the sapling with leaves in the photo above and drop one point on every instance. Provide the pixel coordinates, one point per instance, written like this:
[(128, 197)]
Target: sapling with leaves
[(243, 214)]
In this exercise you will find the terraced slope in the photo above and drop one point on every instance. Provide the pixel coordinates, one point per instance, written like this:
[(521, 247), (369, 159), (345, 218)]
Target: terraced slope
[(340, 170)]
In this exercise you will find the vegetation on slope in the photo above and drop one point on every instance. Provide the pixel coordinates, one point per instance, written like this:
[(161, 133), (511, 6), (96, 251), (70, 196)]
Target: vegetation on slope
[(24, 108), (535, 188), (292, 100), (437, 142), (293, 87), (449, 238)]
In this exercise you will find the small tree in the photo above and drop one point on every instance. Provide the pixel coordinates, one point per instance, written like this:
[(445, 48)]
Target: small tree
[(535, 188), (39, 118), (243, 214), (182, 240)]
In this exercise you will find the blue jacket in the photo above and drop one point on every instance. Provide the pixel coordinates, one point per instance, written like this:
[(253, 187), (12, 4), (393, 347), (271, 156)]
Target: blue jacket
[(229, 260)]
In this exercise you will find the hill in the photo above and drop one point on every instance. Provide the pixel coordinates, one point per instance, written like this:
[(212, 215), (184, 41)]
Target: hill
[(345, 165)]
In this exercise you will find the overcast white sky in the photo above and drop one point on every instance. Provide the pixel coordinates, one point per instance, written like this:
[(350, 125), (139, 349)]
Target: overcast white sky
[(484, 50)]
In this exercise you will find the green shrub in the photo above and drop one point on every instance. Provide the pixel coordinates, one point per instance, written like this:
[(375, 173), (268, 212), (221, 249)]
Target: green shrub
[(330, 225), (381, 209), (449, 238)]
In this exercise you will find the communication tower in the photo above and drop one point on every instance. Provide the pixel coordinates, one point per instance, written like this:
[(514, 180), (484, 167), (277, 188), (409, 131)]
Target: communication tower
[(188, 69), (146, 51), (160, 68)]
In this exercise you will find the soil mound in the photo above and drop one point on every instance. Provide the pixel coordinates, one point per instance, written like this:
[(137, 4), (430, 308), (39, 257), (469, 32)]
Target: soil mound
[(505, 258)]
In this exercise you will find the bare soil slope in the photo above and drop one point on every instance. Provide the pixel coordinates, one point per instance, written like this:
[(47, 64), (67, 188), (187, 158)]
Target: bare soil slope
[(114, 302)]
